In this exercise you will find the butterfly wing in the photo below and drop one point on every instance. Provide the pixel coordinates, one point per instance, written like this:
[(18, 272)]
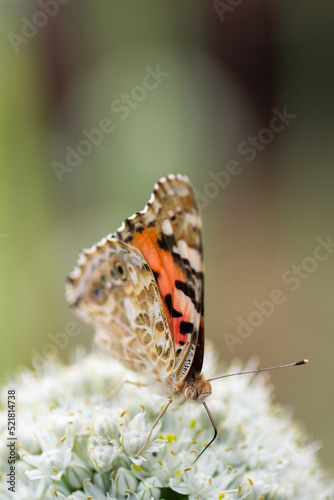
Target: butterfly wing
[(113, 288), (142, 287), (168, 234)]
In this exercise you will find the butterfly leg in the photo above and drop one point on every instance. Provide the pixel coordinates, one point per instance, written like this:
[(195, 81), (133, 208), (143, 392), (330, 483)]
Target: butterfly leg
[(138, 384), (161, 414), (116, 390)]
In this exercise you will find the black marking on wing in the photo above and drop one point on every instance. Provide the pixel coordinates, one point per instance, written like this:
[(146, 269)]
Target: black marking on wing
[(189, 291), (182, 262), (147, 267), (156, 274), (163, 244), (171, 310), (186, 327), (128, 239), (129, 225), (167, 242)]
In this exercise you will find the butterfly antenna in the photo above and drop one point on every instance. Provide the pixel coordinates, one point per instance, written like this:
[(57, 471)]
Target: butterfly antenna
[(302, 362), (214, 428)]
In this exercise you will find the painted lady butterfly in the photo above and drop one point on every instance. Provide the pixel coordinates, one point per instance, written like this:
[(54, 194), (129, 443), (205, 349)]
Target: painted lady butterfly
[(142, 289)]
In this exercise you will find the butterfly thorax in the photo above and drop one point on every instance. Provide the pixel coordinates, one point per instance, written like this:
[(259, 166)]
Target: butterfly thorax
[(196, 388)]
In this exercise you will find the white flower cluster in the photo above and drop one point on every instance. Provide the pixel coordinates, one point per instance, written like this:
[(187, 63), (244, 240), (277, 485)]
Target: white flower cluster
[(75, 444)]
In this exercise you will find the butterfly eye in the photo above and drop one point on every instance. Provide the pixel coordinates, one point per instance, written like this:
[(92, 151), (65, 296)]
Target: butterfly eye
[(98, 295), (119, 269)]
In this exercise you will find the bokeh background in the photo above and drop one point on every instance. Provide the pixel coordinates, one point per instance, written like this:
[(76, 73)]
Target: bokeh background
[(224, 68)]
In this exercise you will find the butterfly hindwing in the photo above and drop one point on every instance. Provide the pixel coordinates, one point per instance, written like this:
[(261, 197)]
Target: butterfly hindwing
[(113, 288)]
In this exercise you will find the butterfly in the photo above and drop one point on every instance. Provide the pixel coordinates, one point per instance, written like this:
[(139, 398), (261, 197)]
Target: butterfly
[(142, 289)]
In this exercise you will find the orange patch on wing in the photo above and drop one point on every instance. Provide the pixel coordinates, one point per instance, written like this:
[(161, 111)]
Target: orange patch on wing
[(161, 261)]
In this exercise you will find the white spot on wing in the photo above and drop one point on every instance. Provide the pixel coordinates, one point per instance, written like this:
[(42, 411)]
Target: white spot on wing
[(82, 259), (75, 273), (150, 216), (152, 198), (157, 208), (193, 219), (131, 311), (101, 243), (121, 228), (167, 227), (89, 251), (133, 274), (192, 254)]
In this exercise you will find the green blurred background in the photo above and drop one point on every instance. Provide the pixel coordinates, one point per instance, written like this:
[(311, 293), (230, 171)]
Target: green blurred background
[(65, 63)]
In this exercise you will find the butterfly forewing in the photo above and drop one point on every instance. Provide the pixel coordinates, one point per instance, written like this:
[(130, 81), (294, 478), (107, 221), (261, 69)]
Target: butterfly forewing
[(168, 234)]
